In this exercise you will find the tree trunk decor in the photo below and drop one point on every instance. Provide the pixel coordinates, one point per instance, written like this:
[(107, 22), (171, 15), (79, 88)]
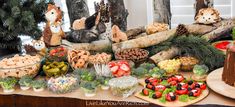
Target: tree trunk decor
[(77, 9), (118, 14), (162, 11), (208, 32)]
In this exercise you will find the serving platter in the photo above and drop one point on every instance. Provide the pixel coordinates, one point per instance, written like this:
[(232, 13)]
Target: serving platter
[(214, 81), (176, 103)]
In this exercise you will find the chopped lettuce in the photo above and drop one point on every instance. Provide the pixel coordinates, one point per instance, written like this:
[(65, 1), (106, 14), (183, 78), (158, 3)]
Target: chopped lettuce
[(200, 70), (183, 98)]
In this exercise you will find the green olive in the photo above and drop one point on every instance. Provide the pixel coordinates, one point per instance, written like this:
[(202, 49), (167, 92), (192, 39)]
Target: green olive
[(61, 65), (53, 70), (44, 67), (64, 68)]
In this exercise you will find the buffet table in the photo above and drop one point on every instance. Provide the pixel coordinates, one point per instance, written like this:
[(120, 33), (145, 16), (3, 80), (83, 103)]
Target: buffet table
[(47, 99), (41, 99)]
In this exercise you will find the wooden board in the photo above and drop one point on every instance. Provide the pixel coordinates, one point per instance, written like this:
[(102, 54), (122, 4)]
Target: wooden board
[(214, 81), (175, 103)]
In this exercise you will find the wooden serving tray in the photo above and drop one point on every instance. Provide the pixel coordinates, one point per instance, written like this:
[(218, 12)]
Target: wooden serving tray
[(175, 103), (214, 81)]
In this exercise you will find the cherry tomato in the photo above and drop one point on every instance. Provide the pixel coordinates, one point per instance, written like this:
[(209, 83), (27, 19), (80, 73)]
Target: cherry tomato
[(160, 87), (149, 86), (203, 86), (173, 83), (181, 92), (170, 96), (158, 94), (174, 78)]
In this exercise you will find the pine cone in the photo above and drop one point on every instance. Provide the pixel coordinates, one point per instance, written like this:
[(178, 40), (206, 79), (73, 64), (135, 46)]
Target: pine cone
[(181, 30), (30, 49)]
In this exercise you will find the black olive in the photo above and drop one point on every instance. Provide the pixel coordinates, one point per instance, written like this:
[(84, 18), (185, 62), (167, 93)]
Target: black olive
[(173, 98), (153, 88), (164, 78), (189, 89), (197, 86), (168, 86), (190, 94), (178, 88), (190, 82), (147, 81), (179, 85), (154, 96)]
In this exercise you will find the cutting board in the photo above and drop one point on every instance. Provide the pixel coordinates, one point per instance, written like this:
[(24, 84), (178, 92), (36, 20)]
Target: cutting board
[(175, 103)]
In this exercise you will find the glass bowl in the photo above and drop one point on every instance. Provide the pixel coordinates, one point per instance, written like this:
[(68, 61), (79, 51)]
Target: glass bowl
[(55, 70), (17, 65)]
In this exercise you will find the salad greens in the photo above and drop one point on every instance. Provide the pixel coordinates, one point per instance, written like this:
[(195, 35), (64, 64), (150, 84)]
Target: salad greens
[(200, 70), (165, 92), (89, 85), (26, 81), (37, 84), (148, 69), (183, 98), (8, 82), (157, 72), (102, 80), (85, 75), (139, 72), (164, 82), (147, 66)]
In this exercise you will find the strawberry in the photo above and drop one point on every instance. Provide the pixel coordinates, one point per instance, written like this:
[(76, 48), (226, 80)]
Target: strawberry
[(122, 62), (53, 51), (61, 54), (145, 92), (114, 68), (120, 73), (111, 64), (125, 67), (127, 73)]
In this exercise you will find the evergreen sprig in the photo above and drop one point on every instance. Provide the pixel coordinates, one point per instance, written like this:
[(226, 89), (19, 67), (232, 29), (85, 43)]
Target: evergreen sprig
[(201, 49), (194, 46), (19, 17)]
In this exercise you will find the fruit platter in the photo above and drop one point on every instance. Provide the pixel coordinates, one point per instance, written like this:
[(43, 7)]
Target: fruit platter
[(174, 90)]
